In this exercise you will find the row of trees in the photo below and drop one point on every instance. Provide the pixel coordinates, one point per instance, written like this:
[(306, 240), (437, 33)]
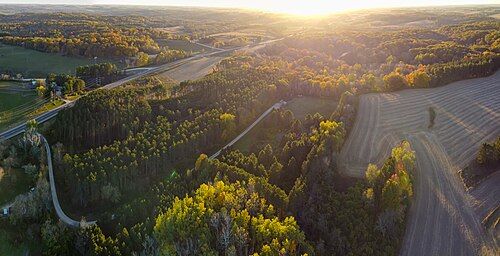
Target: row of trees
[(106, 44), (169, 55), (97, 70)]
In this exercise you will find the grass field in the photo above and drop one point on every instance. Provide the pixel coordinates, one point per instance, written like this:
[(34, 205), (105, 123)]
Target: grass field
[(258, 138), (35, 64), (183, 45), (310, 105), (16, 103), (14, 183)]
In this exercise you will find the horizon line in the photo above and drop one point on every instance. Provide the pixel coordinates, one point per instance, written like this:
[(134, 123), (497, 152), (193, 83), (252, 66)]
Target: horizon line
[(253, 9)]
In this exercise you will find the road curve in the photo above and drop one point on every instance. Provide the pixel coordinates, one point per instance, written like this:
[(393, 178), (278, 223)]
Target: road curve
[(60, 213), (443, 219), (267, 112)]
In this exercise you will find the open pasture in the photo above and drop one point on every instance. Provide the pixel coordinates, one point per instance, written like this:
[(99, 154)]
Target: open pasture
[(16, 103), (305, 105), (35, 64)]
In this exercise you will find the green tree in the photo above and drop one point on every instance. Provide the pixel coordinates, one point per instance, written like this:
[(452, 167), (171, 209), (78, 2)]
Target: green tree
[(226, 219), (56, 238), (110, 193), (394, 81), (489, 153), (91, 241), (419, 79), (266, 156), (78, 85), (228, 123), (142, 59)]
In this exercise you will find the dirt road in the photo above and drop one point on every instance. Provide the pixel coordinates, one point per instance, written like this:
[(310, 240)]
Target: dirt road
[(442, 219)]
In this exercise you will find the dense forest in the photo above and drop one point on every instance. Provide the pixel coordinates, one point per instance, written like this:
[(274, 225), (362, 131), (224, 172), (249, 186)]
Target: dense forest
[(117, 38), (136, 158)]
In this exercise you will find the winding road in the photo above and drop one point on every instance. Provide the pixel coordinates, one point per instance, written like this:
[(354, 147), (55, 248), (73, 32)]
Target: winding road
[(444, 219), (60, 213)]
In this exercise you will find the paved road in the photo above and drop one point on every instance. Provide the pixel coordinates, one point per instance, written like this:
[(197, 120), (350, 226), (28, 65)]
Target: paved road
[(60, 213), (40, 119), (267, 112), (160, 69)]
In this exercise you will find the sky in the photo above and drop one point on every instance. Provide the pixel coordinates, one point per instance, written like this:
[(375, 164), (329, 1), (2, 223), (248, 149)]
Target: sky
[(304, 7)]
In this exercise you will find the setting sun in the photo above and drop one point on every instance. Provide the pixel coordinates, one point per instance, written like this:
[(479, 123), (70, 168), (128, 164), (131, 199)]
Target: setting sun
[(304, 8), (311, 8)]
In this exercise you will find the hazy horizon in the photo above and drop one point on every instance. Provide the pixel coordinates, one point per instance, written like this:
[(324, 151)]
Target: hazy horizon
[(282, 6)]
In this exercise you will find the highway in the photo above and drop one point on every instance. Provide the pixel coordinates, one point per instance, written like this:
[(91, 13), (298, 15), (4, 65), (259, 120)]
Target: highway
[(12, 132)]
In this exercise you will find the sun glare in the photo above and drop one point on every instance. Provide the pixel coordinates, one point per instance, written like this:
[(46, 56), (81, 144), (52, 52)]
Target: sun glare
[(315, 8), (294, 7)]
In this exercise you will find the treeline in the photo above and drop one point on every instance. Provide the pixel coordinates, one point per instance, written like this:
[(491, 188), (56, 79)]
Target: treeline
[(97, 70), (320, 64), (442, 74), (130, 164), (168, 55), (489, 154), (107, 44)]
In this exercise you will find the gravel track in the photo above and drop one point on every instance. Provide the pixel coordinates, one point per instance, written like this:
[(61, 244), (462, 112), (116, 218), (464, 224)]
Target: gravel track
[(443, 219)]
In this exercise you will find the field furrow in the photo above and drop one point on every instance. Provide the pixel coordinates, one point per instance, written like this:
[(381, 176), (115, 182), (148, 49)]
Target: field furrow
[(444, 219)]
